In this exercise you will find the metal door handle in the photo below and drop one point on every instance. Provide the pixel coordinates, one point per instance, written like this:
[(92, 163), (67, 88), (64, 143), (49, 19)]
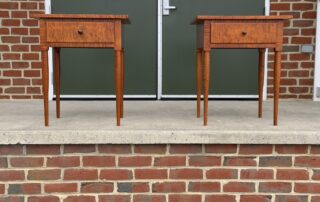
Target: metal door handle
[(166, 7)]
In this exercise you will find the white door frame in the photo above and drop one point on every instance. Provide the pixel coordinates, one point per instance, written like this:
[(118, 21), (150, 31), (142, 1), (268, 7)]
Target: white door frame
[(316, 85), (159, 68)]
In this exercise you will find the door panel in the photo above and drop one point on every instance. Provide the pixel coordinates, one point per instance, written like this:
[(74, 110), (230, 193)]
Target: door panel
[(233, 71), (91, 71)]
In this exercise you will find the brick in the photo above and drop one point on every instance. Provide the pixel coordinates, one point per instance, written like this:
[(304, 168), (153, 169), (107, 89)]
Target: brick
[(184, 198), (27, 162), (309, 15), (31, 73), (5, 82), (149, 198), (275, 187), (30, 39), (150, 149), (30, 23), (301, 40), (99, 161), (4, 48), (61, 187), (239, 161), (204, 161), (291, 198), (204, 187), (11, 150), (79, 149), (116, 174), (256, 174), (255, 198), (43, 149), (291, 149), (292, 174), (302, 6), (19, 31), (10, 22), (80, 174), (81, 198), (303, 23), (10, 39), (5, 31), (63, 161), (275, 161), (255, 149), (20, 48), (115, 149), (34, 90), (307, 161), (298, 90), (28, 188), (151, 174), (30, 56), (48, 174), (36, 48), (220, 198), (134, 161), (133, 187), (12, 199), (170, 161), (185, 149), (20, 65), (28, 5), (307, 65), (19, 14), (4, 14), (34, 31), (2, 188), (307, 188), (299, 56), (9, 5), (11, 56), (315, 198), (291, 32), (280, 6), (43, 199), (114, 198), (239, 187), (3, 162), (221, 173), (15, 90), (308, 82), (97, 187), (168, 187), (316, 175), (186, 173)]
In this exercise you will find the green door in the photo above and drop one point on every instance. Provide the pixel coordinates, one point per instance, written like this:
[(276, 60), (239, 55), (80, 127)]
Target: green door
[(233, 72), (91, 71)]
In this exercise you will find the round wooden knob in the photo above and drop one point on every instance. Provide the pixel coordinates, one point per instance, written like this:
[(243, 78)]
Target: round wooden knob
[(244, 33), (80, 31)]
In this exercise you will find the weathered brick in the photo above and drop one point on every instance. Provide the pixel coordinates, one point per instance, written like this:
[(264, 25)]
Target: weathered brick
[(168, 187), (116, 174), (47, 174), (61, 187), (133, 187), (99, 161), (256, 174), (97, 187), (239, 187), (151, 174), (222, 173), (204, 187), (275, 187), (80, 174)]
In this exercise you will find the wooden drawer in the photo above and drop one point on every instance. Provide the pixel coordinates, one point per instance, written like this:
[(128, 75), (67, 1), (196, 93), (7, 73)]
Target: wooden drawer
[(238, 33), (80, 32)]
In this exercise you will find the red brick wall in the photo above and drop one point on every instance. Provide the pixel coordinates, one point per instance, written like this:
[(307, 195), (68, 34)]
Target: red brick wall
[(195, 173), (19, 50)]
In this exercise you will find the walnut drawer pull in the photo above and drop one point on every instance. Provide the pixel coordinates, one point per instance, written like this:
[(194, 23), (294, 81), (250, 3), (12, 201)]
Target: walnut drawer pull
[(244, 33), (80, 32)]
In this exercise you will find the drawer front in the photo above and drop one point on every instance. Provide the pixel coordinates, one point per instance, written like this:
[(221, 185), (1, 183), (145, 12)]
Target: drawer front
[(238, 33), (80, 32)]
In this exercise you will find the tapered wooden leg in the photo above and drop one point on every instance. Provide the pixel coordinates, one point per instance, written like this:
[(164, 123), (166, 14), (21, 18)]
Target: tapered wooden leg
[(57, 79), (199, 80), (118, 84), (277, 71), (122, 81), (45, 83), (206, 79), (261, 79)]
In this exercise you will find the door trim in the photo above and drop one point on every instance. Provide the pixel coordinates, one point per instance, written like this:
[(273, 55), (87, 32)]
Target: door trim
[(159, 94), (316, 85)]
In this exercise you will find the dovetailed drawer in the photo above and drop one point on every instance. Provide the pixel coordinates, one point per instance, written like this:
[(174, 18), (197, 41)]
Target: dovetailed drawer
[(238, 33), (80, 32)]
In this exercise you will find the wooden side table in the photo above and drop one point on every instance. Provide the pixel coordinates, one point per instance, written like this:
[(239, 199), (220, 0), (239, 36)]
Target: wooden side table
[(238, 32), (80, 31)]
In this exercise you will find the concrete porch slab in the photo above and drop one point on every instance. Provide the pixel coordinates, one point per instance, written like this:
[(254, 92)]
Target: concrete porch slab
[(159, 122)]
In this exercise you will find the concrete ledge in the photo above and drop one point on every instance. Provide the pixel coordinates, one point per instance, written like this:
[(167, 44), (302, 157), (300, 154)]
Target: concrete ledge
[(159, 122), (159, 137)]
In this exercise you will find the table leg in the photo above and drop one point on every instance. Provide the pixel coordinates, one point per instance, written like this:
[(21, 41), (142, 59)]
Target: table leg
[(45, 83), (261, 79), (199, 80), (277, 72), (122, 81), (57, 79), (118, 84), (206, 79)]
